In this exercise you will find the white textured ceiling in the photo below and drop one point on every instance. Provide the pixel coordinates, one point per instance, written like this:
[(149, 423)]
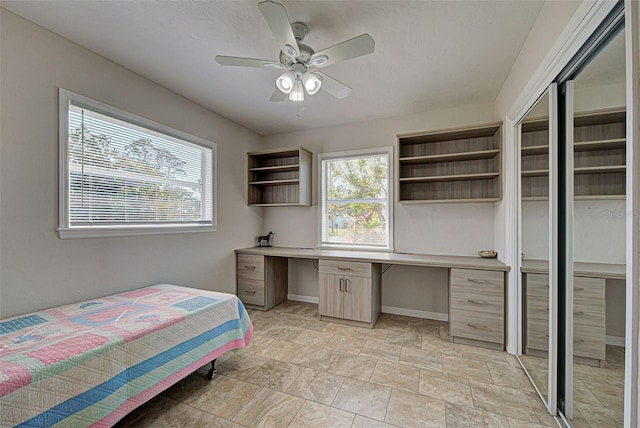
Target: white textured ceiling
[(429, 54)]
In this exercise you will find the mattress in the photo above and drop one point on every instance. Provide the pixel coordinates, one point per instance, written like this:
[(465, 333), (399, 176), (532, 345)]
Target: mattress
[(91, 363)]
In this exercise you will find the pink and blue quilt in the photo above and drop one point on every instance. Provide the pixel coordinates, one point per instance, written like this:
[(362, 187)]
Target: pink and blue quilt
[(91, 363)]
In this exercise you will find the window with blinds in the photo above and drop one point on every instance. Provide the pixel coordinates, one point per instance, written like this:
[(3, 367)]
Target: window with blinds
[(356, 198), (123, 174)]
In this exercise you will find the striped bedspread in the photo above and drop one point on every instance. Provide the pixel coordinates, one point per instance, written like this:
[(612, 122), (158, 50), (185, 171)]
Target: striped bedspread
[(90, 363)]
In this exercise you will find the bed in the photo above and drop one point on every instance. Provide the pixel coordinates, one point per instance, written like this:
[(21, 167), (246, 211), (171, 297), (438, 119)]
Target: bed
[(91, 363)]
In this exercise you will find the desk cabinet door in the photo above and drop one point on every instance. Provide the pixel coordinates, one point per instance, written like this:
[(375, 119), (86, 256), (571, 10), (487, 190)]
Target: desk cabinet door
[(357, 298), (330, 295)]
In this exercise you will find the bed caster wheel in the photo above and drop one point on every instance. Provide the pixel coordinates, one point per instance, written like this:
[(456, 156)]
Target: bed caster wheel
[(211, 373)]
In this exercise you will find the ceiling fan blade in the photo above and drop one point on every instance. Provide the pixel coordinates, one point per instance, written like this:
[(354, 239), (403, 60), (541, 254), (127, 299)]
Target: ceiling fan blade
[(352, 48), (278, 96), (247, 62), (333, 86), (276, 16)]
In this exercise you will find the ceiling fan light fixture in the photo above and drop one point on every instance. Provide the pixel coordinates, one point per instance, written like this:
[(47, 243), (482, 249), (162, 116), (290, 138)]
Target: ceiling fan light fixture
[(311, 83), (319, 60), (297, 93), (286, 81)]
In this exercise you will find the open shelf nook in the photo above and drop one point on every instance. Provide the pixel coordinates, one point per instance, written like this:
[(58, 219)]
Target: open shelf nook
[(279, 177), (453, 165)]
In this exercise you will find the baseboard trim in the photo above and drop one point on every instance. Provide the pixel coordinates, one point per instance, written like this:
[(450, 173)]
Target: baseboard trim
[(301, 298), (615, 341), (438, 316)]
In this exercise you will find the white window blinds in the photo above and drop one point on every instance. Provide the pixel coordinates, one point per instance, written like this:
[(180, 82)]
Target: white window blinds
[(122, 174)]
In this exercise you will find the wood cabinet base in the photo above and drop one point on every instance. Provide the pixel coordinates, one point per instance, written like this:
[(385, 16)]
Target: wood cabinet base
[(349, 322), (480, 343)]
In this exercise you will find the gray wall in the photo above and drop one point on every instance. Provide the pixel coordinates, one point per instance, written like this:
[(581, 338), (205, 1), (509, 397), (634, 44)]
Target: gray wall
[(38, 269)]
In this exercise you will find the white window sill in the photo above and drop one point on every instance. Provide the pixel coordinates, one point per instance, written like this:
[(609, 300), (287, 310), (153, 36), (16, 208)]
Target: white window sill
[(112, 231), (355, 248)]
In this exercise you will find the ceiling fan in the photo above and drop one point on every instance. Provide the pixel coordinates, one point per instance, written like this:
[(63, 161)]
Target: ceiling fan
[(299, 60)]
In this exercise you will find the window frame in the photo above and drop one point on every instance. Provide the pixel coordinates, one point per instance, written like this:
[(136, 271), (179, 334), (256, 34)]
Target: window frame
[(322, 195), (65, 230)]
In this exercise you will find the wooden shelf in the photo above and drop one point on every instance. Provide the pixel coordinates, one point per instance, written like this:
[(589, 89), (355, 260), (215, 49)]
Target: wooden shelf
[(459, 177), (535, 173), (607, 169), (274, 182), (451, 157), (614, 143), (535, 150), (283, 168), (599, 151), (577, 198), (451, 165), (278, 178)]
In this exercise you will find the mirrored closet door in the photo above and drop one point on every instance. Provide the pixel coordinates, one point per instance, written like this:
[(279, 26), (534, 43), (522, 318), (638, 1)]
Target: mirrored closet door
[(572, 231), (536, 244), (595, 287)]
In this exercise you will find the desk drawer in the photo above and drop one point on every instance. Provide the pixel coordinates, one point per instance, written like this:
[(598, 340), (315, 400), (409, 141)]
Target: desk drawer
[(537, 334), (481, 301), (339, 267), (477, 326), (478, 280), (589, 341), (250, 266), (251, 291), (537, 285)]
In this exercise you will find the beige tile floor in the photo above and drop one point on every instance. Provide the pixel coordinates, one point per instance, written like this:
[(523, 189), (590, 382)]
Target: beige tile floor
[(302, 372), (598, 393)]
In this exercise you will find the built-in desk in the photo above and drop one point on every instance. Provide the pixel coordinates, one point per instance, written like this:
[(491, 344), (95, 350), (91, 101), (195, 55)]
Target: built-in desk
[(589, 308), (350, 287)]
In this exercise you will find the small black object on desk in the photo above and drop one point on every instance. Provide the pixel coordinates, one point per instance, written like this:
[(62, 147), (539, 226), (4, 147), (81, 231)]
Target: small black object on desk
[(265, 238)]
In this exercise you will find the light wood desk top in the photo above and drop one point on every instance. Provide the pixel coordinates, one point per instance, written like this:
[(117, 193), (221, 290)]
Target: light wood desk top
[(461, 262), (590, 270)]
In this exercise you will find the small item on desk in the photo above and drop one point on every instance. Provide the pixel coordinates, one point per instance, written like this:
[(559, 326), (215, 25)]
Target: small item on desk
[(488, 254), (263, 241)]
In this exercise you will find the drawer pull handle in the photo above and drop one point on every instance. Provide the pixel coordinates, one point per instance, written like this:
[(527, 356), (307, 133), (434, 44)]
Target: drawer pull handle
[(248, 292), (579, 341), (477, 281), (346, 284), (249, 267), (344, 268), (578, 289), (478, 327), (341, 282), (477, 302), (579, 313)]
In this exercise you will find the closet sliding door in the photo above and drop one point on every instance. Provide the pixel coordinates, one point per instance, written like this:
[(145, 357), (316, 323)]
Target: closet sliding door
[(592, 223), (538, 245)]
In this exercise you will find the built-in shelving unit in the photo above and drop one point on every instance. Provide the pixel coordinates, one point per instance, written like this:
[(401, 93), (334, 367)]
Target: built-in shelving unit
[(599, 157), (279, 177), (453, 165)]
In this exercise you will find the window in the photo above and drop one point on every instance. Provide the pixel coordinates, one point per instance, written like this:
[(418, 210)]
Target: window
[(121, 174), (356, 198)]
